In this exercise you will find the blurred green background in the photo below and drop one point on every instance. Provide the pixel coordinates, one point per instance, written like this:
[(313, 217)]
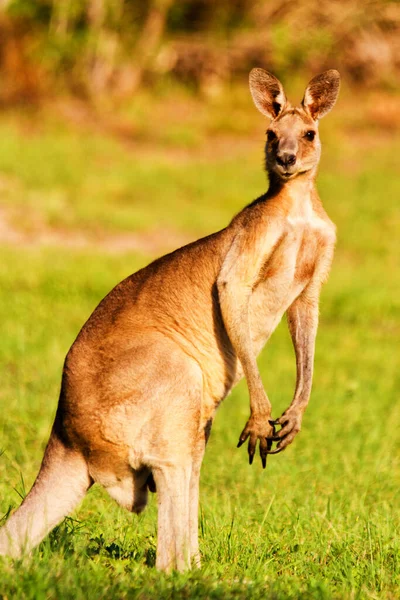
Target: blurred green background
[(126, 130)]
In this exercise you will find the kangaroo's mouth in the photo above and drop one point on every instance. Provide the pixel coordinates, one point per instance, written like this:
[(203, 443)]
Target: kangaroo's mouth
[(286, 173)]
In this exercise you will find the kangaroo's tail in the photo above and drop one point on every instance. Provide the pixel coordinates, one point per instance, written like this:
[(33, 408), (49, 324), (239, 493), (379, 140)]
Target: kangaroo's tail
[(61, 484)]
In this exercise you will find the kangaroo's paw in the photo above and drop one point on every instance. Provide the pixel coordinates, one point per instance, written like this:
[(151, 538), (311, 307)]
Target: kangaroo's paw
[(290, 423), (258, 429)]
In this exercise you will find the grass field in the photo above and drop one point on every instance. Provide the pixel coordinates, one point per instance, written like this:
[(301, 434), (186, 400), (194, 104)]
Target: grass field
[(323, 520)]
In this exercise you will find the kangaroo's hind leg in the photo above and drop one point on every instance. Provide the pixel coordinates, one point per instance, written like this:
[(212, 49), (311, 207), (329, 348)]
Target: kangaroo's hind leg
[(194, 490), (178, 506), (171, 458), (173, 541), (151, 429)]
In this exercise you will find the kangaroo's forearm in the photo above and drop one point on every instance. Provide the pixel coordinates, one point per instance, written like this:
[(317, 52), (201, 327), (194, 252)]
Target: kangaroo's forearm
[(303, 324), (235, 315)]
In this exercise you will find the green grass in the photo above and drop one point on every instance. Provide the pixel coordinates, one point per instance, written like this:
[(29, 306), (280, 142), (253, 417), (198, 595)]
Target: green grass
[(323, 520)]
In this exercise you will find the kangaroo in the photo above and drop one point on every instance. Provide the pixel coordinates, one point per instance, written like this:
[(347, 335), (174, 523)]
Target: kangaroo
[(142, 382)]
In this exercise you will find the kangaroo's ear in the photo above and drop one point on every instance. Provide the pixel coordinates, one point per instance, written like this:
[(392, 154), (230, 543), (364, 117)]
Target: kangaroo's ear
[(267, 92), (321, 94)]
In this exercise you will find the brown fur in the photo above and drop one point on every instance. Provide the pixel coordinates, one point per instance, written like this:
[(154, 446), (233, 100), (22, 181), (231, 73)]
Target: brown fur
[(144, 377)]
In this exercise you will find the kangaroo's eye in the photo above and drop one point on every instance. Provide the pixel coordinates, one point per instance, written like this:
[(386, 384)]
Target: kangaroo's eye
[(271, 136), (310, 135)]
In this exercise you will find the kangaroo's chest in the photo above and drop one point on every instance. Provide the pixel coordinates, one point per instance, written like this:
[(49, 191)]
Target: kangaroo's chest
[(282, 279)]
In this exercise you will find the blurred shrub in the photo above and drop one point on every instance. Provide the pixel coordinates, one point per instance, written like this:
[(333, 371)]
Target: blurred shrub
[(93, 47)]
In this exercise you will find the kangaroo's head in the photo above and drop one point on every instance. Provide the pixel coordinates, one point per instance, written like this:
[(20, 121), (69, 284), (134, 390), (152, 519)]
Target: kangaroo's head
[(293, 146)]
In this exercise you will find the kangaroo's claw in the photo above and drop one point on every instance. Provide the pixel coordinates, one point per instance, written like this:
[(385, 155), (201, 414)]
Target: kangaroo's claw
[(276, 451)]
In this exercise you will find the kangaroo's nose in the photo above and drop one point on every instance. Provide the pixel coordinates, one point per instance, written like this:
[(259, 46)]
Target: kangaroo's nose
[(286, 159)]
